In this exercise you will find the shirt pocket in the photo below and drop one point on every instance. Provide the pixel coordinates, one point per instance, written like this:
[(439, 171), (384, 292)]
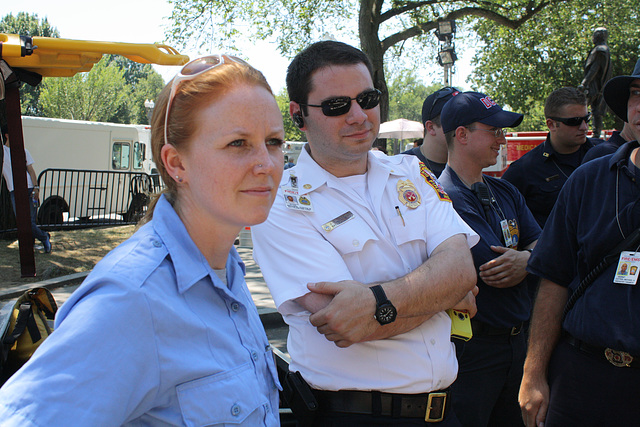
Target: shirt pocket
[(227, 398), (350, 236), (408, 227)]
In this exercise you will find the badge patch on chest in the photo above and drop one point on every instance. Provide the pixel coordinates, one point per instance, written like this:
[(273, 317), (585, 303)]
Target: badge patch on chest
[(408, 194)]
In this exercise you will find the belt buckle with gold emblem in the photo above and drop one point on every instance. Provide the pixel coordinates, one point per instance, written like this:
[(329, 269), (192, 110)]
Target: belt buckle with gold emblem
[(618, 358)]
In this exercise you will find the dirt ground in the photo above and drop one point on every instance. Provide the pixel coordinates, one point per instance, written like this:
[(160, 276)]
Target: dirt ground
[(73, 251)]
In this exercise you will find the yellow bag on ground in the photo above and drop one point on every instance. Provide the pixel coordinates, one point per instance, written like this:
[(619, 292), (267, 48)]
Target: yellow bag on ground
[(24, 326)]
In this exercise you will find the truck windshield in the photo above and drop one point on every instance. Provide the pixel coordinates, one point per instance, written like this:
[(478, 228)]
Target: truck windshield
[(138, 155)]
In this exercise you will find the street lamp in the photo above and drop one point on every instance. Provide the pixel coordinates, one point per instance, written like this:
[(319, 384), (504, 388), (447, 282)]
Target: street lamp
[(149, 105), (446, 55), (446, 29)]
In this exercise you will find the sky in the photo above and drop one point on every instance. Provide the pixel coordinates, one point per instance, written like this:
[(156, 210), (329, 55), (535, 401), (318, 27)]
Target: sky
[(144, 21)]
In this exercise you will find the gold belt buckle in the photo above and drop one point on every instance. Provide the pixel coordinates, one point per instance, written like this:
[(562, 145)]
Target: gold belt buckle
[(438, 411), (618, 358)]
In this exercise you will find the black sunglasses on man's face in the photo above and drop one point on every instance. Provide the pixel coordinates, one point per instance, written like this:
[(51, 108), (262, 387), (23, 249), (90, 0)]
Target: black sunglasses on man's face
[(342, 104), (572, 121)]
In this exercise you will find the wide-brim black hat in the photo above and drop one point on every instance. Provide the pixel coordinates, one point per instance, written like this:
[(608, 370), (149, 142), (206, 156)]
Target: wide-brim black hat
[(616, 92)]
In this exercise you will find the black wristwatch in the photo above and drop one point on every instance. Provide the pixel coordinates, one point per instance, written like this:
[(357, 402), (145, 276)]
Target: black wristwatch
[(385, 311)]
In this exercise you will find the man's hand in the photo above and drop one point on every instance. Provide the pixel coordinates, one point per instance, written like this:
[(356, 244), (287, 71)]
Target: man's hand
[(534, 400), (468, 303), (507, 270), (349, 317)]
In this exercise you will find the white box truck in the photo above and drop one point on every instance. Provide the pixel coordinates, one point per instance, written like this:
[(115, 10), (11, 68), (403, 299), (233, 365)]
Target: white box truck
[(90, 170)]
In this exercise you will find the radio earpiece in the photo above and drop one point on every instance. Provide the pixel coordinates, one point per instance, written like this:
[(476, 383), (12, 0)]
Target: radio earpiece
[(298, 120)]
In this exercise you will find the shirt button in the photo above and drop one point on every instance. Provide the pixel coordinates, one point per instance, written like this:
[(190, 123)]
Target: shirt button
[(254, 355), (157, 244), (267, 408), (235, 410), (356, 242), (235, 306), (433, 342)]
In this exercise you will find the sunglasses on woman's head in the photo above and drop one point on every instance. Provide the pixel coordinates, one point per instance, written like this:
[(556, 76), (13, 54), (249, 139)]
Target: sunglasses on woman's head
[(572, 121), (342, 104), (190, 71)]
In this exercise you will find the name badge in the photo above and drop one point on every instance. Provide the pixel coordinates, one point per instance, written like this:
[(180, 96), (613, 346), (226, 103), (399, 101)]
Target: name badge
[(627, 269), (506, 233), (293, 200), (337, 221)]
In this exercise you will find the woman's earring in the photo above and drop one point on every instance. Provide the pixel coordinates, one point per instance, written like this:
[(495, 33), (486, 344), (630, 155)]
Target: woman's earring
[(178, 178)]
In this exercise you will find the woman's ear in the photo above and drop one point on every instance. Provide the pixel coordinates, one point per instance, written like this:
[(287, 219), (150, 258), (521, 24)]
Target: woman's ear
[(173, 162)]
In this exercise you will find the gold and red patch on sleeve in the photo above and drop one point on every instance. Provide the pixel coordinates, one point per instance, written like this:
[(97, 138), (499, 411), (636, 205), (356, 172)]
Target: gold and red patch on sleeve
[(430, 179)]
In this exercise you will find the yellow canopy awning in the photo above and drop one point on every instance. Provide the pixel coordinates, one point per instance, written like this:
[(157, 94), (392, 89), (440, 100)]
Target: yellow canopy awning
[(55, 57)]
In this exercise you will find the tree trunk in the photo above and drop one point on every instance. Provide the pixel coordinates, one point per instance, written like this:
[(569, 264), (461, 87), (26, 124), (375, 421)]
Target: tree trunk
[(368, 26)]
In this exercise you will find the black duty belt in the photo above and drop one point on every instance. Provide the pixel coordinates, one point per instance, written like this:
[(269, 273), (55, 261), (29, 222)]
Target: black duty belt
[(428, 406), (481, 328), (620, 359)]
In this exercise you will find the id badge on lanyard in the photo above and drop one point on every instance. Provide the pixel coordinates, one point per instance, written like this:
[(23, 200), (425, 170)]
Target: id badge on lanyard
[(628, 268)]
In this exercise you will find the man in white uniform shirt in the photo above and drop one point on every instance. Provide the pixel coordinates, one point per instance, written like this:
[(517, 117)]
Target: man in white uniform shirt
[(362, 254)]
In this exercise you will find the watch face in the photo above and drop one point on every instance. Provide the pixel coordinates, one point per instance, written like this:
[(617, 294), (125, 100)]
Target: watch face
[(386, 314)]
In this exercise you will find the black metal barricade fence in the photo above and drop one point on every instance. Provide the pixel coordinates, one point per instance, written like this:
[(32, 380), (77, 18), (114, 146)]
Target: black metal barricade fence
[(73, 198)]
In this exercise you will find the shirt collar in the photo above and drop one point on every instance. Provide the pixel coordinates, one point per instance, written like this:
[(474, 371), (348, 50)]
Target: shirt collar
[(621, 157), (548, 150), (309, 175), (189, 263)]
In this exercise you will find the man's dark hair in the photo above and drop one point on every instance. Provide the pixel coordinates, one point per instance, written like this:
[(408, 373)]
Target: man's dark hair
[(561, 97), (314, 57)]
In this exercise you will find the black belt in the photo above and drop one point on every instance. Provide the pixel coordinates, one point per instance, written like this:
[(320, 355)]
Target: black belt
[(428, 406), (617, 358), (481, 328)]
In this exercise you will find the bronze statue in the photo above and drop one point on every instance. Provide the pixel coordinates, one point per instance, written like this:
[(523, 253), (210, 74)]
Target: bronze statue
[(597, 71)]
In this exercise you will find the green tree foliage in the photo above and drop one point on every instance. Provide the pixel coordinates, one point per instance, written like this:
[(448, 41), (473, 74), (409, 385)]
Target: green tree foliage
[(291, 131), (406, 95), (26, 24), (521, 67), (143, 82), (93, 96), (382, 26)]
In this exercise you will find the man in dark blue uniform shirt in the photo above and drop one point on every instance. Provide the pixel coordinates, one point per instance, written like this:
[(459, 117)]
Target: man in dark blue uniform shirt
[(485, 392), (584, 369), (541, 173), (433, 151)]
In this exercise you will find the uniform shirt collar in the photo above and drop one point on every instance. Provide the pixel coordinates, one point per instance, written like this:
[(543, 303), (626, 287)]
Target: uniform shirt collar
[(548, 150), (621, 158), (189, 263), (309, 175)]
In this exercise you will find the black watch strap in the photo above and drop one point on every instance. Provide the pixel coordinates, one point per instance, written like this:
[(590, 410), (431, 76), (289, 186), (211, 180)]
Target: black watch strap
[(378, 292)]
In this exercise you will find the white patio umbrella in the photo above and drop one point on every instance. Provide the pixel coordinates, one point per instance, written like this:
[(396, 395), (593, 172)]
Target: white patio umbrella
[(401, 129)]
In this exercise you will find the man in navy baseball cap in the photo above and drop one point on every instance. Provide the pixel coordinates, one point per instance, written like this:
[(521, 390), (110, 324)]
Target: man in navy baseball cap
[(470, 107), (433, 151), (490, 364)]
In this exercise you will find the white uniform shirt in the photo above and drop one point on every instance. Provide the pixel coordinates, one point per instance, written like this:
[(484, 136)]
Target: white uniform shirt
[(374, 245), (6, 167)]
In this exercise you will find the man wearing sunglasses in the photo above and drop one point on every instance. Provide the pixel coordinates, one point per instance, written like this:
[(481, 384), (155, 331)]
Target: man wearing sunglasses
[(433, 151), (583, 361), (541, 173), (362, 254), (486, 390)]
